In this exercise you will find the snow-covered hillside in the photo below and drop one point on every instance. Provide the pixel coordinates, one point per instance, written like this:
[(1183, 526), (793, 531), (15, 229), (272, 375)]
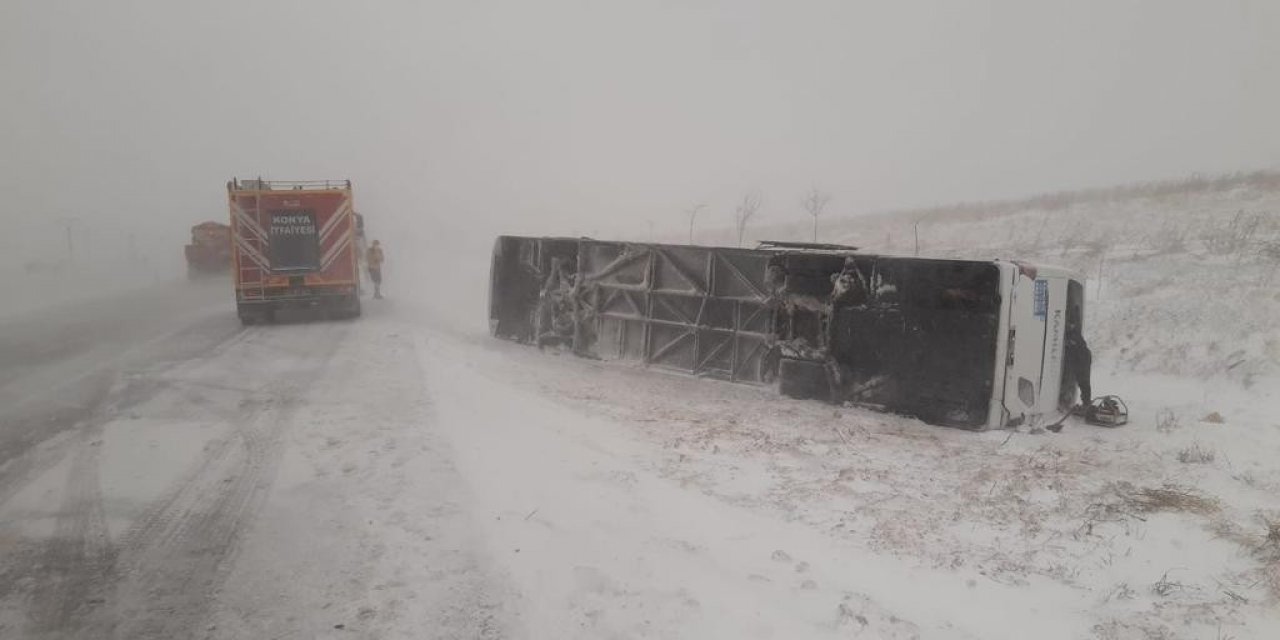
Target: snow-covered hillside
[(626, 503), (836, 522), (1184, 277)]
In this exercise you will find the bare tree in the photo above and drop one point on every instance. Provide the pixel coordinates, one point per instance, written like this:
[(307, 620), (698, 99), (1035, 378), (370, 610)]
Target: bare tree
[(814, 202), (692, 212), (747, 209)]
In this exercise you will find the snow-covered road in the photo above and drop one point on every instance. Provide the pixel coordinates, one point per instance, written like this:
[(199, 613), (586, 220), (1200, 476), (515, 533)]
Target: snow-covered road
[(177, 476), (165, 473)]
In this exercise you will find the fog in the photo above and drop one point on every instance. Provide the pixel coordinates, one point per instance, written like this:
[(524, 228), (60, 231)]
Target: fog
[(458, 120), (298, 455)]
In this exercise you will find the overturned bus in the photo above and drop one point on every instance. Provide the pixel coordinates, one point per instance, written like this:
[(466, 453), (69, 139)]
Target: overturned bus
[(964, 343)]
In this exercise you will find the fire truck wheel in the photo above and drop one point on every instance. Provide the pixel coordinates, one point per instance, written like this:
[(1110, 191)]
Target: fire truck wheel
[(252, 316), (352, 309)]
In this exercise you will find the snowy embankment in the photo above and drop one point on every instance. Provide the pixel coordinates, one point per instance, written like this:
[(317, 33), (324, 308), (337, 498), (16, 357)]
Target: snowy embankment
[(607, 527), (630, 503)]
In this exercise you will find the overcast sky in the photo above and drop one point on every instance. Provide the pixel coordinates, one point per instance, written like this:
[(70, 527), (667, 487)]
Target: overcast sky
[(559, 116)]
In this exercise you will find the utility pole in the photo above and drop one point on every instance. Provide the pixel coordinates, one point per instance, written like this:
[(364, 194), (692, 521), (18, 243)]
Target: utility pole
[(68, 224), (1102, 259), (814, 202)]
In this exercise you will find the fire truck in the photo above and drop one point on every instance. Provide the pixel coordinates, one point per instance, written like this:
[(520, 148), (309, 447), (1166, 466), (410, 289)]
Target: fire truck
[(294, 246)]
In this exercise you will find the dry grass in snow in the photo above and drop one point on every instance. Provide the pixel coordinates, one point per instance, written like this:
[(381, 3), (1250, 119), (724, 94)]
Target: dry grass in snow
[(1167, 525)]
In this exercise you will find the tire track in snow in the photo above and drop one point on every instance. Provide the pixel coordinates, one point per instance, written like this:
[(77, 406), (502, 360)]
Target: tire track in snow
[(177, 554), (368, 526), (21, 468), (71, 573), (99, 398), (68, 570), (80, 552)]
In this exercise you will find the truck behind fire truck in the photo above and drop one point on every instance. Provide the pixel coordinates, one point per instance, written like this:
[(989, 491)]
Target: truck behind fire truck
[(209, 251), (295, 245)]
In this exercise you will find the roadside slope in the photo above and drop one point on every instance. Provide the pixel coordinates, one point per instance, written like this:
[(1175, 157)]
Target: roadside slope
[(625, 502)]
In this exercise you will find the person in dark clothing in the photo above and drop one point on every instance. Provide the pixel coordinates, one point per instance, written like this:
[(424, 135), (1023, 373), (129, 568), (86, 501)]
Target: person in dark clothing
[(1079, 360)]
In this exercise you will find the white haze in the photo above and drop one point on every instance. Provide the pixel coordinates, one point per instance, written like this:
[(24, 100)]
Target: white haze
[(168, 473), (459, 120)]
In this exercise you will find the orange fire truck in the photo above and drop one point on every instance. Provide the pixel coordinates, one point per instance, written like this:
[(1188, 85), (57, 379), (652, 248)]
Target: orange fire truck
[(295, 245)]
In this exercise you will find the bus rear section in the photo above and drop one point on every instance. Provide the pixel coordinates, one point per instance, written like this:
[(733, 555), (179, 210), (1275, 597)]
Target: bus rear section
[(1035, 383), (295, 247)]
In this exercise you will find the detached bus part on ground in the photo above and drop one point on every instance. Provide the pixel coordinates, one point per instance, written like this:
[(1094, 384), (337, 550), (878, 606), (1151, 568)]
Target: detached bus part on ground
[(294, 246), (971, 344)]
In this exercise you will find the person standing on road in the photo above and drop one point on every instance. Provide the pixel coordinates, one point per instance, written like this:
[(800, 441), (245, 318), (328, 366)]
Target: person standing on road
[(373, 261)]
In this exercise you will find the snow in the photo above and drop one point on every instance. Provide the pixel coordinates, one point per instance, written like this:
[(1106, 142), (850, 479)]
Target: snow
[(656, 482), (366, 524), (1179, 283), (602, 543), (406, 476)]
